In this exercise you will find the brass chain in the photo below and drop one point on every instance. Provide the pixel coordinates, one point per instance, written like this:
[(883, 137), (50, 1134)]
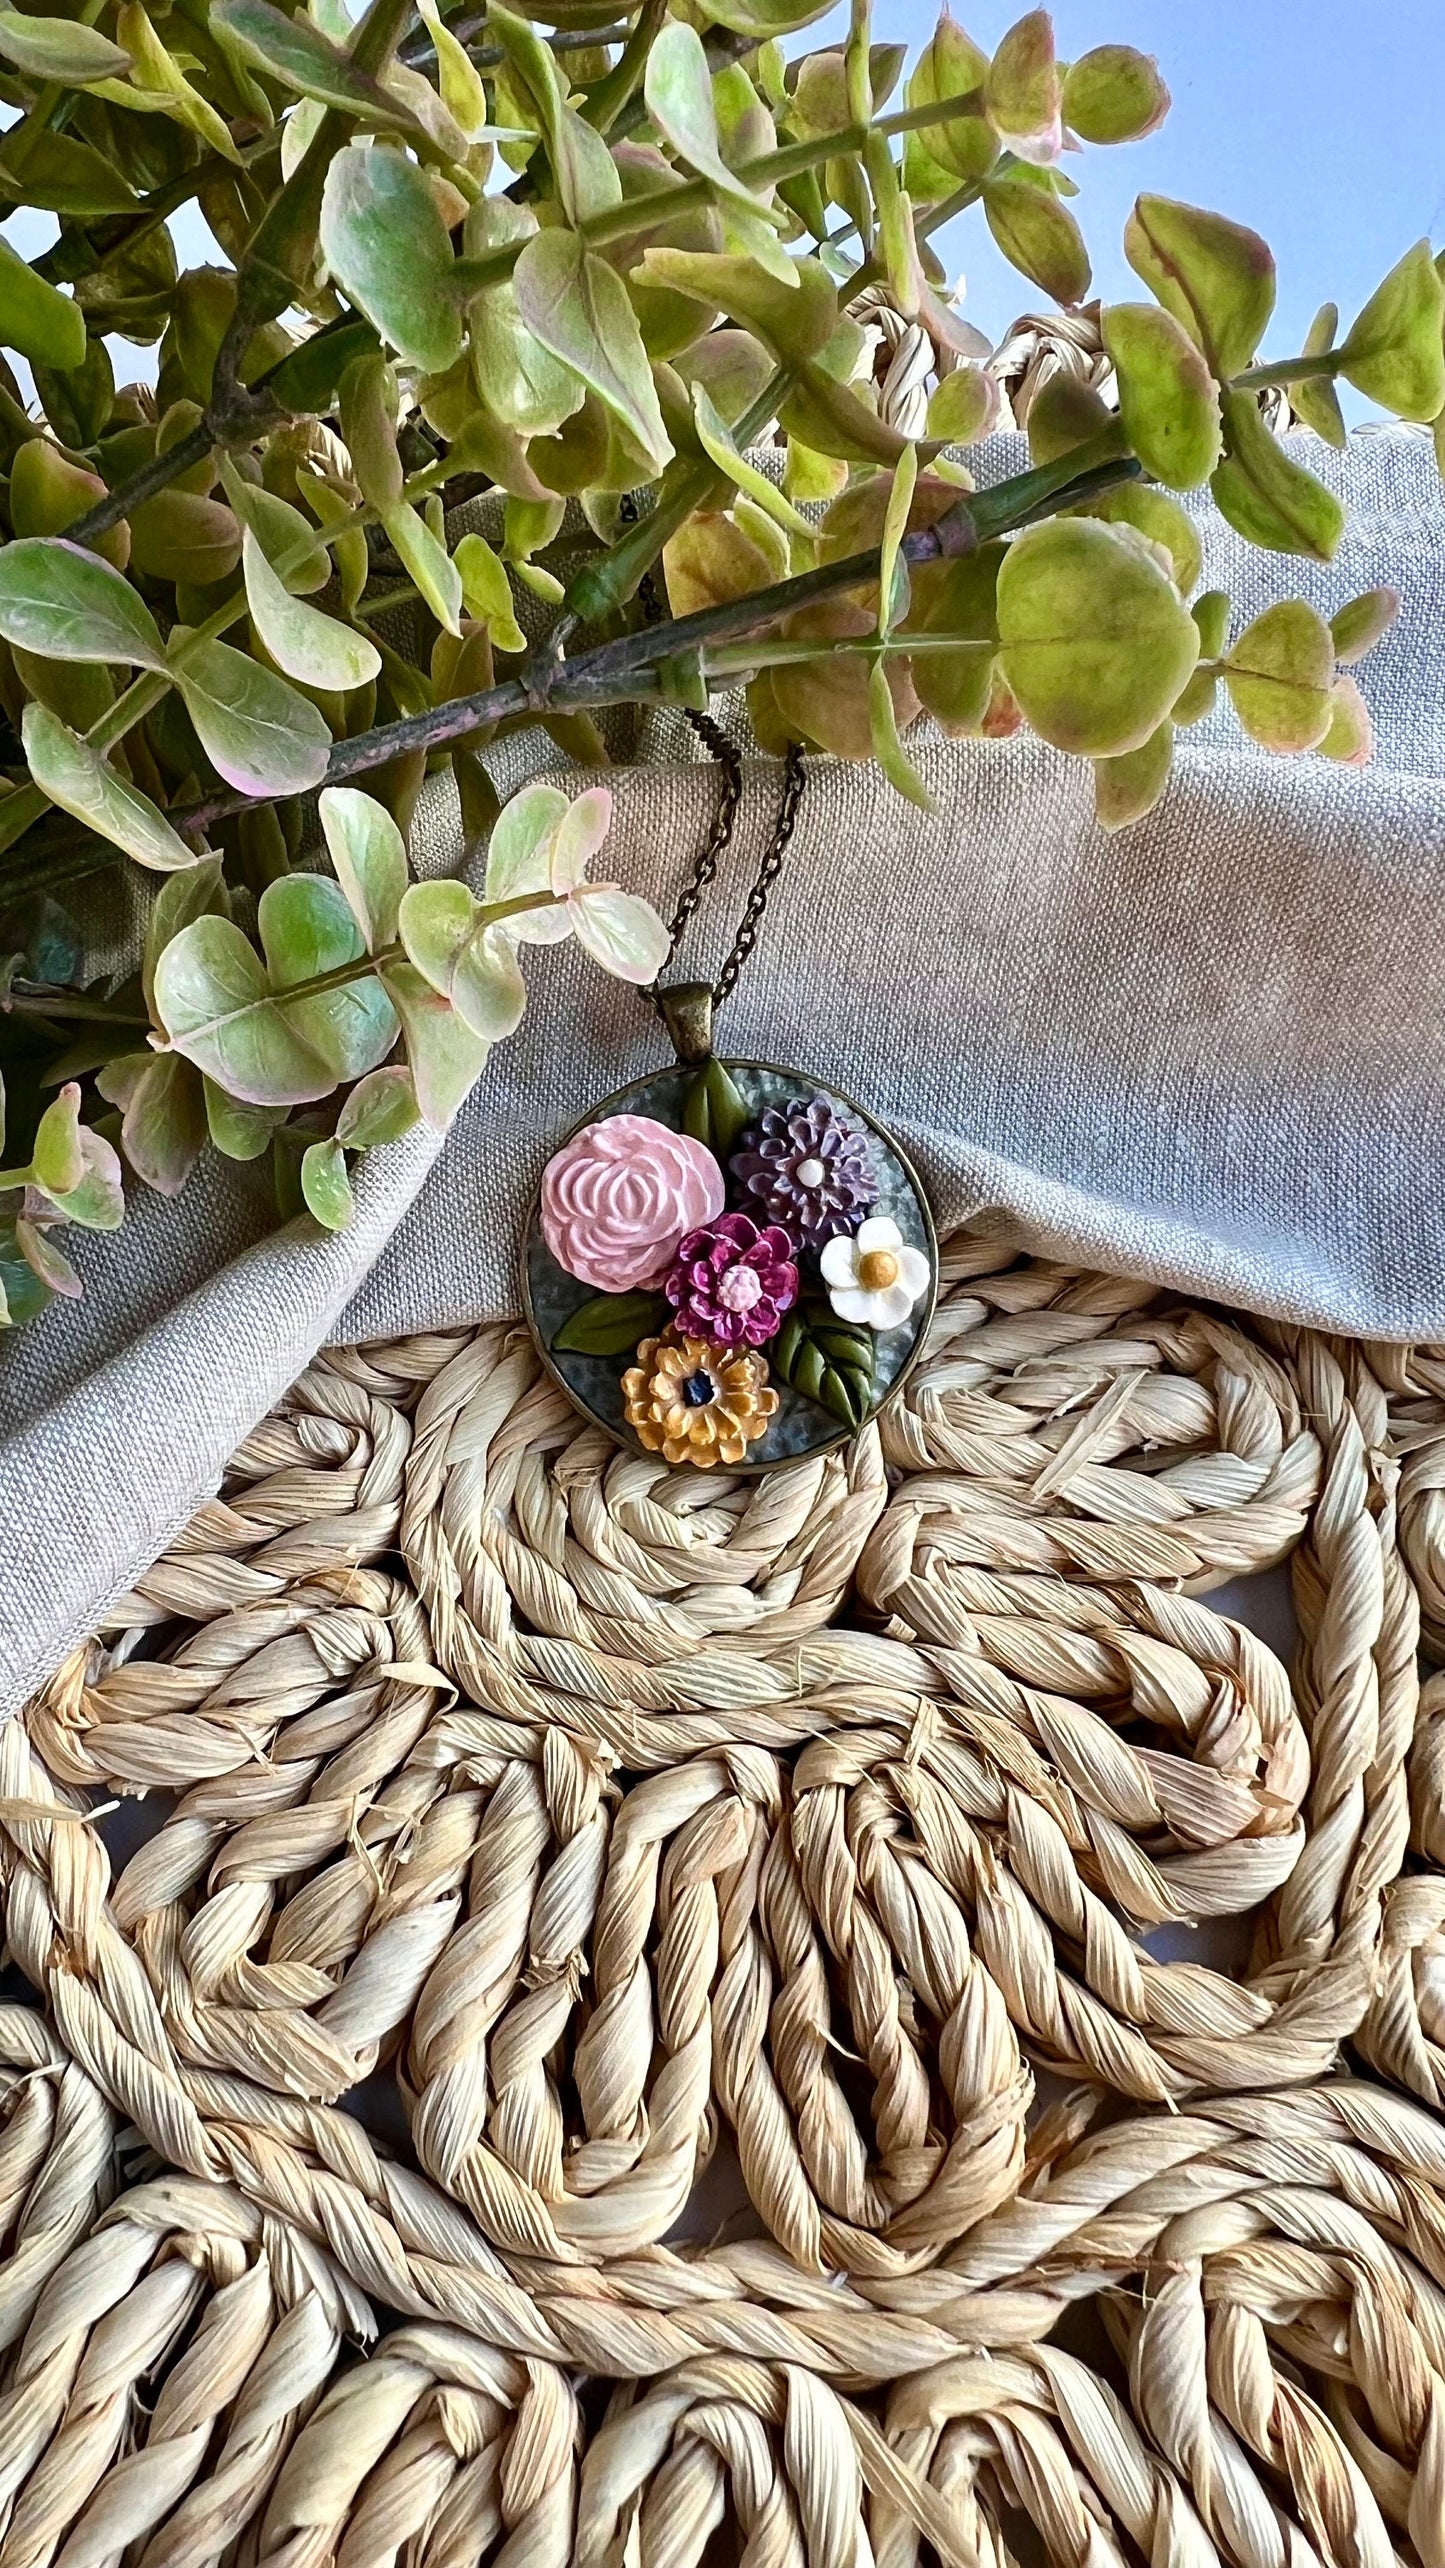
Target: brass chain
[(724, 822)]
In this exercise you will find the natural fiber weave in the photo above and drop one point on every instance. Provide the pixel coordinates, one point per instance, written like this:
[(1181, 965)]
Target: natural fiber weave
[(166, 2367), (1414, 1381), (1286, 2335), (659, 1610), (1093, 1428), (1036, 2434), (58, 2161), (1403, 2035), (436, 2450), (302, 1708), (768, 2458)]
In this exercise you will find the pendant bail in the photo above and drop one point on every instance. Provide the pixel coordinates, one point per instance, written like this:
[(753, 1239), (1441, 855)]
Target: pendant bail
[(686, 1009)]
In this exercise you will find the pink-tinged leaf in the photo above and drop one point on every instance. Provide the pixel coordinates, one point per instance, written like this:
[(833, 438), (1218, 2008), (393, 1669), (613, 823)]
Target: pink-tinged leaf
[(1360, 623), (56, 1162), (578, 836), (1350, 738), (369, 854), (326, 1186), (620, 931), (164, 1131), (381, 1107), (1022, 91), (256, 730), (467, 959), (77, 778), (446, 1058), (98, 1202), (47, 1261)]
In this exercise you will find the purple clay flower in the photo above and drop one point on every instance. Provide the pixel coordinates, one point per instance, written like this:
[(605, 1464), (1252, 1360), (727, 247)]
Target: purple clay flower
[(809, 1167), (733, 1282)]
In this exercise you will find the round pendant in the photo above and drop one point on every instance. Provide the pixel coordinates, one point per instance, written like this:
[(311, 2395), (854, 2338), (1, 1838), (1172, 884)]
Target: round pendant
[(729, 1265)]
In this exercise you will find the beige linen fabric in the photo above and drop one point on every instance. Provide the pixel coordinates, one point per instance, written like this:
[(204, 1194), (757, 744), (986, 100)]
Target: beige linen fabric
[(1207, 1051)]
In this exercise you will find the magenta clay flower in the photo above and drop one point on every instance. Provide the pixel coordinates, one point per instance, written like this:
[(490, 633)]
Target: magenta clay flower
[(733, 1282)]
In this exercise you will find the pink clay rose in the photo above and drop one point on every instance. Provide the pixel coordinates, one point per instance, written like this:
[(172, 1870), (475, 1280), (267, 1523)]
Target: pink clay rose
[(619, 1197)]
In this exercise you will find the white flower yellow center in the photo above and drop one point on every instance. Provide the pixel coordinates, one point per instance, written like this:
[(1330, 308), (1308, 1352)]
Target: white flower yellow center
[(877, 1269), (810, 1172)]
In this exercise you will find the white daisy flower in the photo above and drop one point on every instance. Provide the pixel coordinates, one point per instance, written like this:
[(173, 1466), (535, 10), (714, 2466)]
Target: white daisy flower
[(874, 1277)]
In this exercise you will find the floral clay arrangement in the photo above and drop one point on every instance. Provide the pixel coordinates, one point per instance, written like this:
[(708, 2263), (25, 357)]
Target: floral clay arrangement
[(586, 262), (760, 1260)]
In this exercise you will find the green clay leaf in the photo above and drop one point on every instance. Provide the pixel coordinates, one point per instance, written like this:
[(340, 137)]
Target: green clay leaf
[(612, 1324), (64, 603), (714, 1109), (80, 780), (1167, 399), (826, 1360), (325, 1185), (383, 236), (1216, 277), (1095, 641)]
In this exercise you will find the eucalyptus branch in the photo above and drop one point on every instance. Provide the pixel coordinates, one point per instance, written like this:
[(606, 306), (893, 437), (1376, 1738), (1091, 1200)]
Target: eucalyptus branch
[(1325, 361), (619, 672)]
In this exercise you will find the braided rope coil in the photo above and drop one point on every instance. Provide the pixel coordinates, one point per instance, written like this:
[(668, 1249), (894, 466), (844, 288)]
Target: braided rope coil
[(166, 2366), (1286, 2352), (436, 2449), (58, 2161)]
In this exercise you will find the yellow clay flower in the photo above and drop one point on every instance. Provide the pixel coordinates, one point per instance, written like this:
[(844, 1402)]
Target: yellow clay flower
[(695, 1402)]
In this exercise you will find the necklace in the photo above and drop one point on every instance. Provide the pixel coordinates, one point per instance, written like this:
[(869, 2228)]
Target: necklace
[(728, 1263)]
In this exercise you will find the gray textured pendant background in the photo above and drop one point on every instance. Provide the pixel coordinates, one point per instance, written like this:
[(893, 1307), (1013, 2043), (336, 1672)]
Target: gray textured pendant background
[(594, 1382)]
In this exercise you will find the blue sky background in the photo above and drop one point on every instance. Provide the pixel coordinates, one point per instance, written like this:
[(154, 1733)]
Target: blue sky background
[(1313, 122)]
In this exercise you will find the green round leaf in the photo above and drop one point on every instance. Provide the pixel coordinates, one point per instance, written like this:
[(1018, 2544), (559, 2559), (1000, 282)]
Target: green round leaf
[(1038, 236), (303, 642), (965, 405), (382, 234), (1128, 787), (1393, 354), (1349, 737), (1114, 95), (1280, 677), (1022, 91), (1216, 277), (577, 307), (43, 324), (466, 959), (81, 781), (1266, 496), (1167, 399), (369, 854), (64, 603), (258, 733), (1153, 514), (1359, 624), (1095, 641), (381, 1108), (326, 1186), (64, 50), (446, 1058)]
